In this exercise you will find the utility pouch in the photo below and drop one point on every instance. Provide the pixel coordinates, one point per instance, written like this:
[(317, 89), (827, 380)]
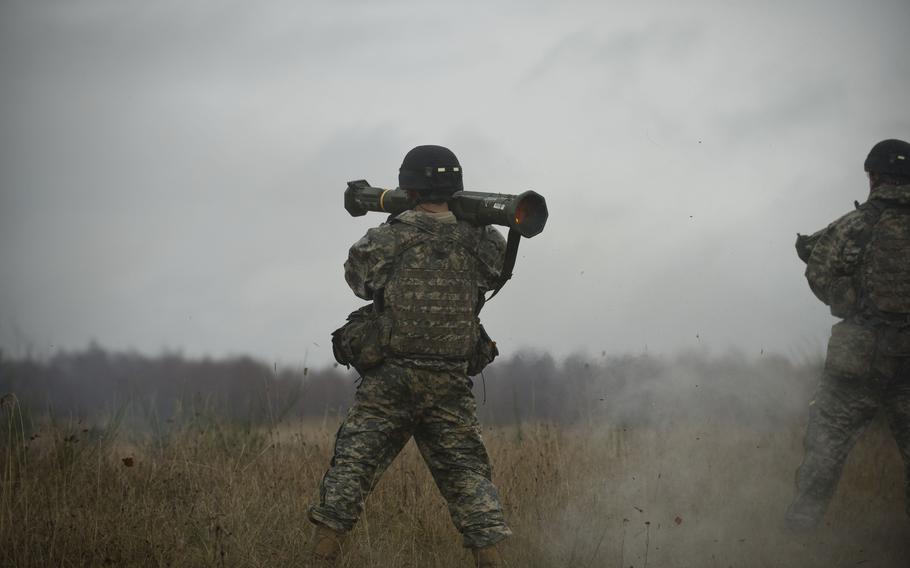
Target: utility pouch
[(895, 342), (851, 350), (361, 342), (485, 351)]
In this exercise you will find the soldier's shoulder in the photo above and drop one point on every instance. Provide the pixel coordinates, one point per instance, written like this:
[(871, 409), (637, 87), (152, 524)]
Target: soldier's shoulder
[(492, 235), (486, 235), (490, 232), (855, 219), (380, 237), (381, 232), (404, 218), (491, 247)]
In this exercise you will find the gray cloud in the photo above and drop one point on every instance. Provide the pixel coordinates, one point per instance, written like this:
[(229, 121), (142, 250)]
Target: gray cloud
[(171, 174)]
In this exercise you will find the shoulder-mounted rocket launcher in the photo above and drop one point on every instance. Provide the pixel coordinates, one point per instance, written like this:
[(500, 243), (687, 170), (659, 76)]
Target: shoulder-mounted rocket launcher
[(525, 213)]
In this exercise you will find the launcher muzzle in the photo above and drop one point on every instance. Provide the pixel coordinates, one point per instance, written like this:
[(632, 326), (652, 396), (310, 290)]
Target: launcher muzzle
[(525, 213)]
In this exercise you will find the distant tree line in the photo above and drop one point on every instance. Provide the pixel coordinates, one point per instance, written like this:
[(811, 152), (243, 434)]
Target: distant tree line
[(527, 387)]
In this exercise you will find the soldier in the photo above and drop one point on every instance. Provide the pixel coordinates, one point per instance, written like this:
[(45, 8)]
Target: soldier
[(860, 266), (426, 273)]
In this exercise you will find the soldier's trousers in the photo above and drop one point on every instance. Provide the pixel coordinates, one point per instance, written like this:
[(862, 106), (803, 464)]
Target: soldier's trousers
[(438, 409), (844, 405)]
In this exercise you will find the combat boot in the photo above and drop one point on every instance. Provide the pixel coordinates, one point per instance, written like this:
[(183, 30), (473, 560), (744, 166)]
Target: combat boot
[(326, 546), (487, 557)]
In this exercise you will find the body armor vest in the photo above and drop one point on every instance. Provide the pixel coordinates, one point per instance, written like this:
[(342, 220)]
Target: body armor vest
[(885, 272), (432, 293)]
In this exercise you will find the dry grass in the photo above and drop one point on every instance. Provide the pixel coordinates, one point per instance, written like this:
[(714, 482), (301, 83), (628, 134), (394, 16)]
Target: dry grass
[(205, 493)]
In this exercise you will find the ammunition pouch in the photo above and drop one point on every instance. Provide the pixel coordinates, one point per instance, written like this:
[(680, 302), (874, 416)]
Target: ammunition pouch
[(805, 244), (485, 351), (362, 341)]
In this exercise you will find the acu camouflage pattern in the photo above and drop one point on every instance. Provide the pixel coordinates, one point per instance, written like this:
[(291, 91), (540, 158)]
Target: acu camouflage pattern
[(386, 266), (886, 274), (418, 393), (438, 409), (844, 405), (432, 293), (859, 266)]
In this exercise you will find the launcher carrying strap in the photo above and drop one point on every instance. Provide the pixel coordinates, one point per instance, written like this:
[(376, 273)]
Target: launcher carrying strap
[(508, 263)]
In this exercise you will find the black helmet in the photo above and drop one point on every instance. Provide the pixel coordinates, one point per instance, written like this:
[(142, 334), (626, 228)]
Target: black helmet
[(432, 171), (889, 157)]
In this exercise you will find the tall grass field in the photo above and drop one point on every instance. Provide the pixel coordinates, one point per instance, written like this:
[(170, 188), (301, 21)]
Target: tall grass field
[(669, 463)]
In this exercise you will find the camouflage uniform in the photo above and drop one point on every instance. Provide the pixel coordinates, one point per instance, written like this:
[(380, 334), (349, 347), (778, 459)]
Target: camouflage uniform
[(418, 394), (860, 267)]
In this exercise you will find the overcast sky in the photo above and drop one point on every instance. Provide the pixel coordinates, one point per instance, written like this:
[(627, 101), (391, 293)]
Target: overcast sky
[(171, 173)]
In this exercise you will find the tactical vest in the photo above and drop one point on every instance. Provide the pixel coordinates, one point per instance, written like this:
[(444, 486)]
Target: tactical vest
[(432, 293), (885, 271)]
